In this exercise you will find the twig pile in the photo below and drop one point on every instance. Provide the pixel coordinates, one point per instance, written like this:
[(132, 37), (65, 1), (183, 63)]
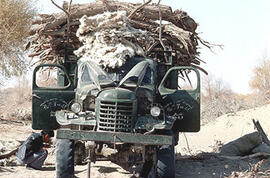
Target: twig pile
[(253, 172), (50, 39)]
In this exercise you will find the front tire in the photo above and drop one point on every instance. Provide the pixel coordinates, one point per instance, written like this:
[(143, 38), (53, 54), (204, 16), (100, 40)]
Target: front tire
[(64, 158), (165, 166)]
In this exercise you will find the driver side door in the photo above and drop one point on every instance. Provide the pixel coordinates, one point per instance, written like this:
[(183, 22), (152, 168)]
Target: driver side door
[(182, 101), (52, 90)]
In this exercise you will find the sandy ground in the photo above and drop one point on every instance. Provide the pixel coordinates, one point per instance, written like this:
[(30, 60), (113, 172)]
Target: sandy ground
[(194, 162), (98, 170), (225, 129), (10, 136)]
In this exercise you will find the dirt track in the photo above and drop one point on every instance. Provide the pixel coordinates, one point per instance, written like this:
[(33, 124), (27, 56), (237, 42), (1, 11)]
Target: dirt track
[(198, 165), (185, 168)]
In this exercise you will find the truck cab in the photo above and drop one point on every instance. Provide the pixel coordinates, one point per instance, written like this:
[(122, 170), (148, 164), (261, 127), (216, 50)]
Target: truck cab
[(128, 108)]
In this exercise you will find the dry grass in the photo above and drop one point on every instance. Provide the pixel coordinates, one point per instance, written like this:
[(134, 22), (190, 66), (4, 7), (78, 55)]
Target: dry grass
[(16, 101), (229, 103), (218, 99)]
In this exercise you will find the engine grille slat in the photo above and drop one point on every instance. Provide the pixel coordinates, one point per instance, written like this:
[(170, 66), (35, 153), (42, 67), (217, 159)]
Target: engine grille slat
[(113, 121), (120, 118), (112, 103), (116, 116), (109, 105), (112, 125), (102, 110)]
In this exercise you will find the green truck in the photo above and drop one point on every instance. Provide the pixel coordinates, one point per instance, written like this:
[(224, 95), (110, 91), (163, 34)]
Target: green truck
[(135, 110)]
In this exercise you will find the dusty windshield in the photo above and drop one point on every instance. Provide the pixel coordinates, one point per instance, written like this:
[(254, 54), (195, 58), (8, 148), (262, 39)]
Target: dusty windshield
[(137, 74)]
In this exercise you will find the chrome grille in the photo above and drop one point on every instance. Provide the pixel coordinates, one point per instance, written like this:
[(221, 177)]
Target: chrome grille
[(116, 116)]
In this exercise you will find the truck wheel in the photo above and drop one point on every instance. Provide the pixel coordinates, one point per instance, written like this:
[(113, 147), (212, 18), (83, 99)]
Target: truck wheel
[(64, 158), (165, 166), (79, 153)]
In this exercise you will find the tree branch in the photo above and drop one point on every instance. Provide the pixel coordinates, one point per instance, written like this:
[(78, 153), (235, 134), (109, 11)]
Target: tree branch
[(261, 132)]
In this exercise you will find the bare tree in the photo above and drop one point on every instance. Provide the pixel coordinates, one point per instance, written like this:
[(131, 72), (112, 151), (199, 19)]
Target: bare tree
[(217, 99), (214, 87)]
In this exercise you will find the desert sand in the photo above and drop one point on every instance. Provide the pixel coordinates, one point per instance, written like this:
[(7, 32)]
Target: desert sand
[(197, 150)]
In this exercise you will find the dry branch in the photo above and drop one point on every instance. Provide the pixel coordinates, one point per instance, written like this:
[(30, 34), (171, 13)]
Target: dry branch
[(255, 155), (261, 132), (148, 11), (206, 156), (9, 154), (48, 34)]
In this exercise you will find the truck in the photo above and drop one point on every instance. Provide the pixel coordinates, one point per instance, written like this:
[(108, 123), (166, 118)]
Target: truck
[(135, 111)]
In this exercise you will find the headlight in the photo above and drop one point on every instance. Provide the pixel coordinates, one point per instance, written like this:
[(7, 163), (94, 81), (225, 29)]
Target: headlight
[(76, 107), (155, 111)]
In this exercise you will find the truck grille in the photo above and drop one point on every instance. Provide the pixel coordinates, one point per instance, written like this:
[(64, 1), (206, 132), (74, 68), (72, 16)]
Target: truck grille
[(116, 116)]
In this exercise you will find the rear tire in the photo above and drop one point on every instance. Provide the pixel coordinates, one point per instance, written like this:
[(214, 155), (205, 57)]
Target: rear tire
[(64, 158), (79, 153)]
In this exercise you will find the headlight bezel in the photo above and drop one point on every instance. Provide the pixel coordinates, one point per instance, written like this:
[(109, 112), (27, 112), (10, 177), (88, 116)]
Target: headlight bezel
[(155, 111), (76, 107)]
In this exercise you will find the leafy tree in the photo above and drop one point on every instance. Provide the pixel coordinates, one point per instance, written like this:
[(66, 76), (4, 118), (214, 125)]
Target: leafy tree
[(260, 81), (15, 19)]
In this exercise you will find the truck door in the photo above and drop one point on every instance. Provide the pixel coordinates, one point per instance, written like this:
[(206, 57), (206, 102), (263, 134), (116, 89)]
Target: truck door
[(52, 90), (182, 102)]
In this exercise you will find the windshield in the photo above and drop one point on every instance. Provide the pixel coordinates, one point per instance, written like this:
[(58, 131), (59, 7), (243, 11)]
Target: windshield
[(89, 72), (131, 73), (137, 74)]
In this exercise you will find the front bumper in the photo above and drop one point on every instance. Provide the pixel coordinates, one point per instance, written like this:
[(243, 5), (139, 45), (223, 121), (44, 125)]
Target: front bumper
[(114, 137)]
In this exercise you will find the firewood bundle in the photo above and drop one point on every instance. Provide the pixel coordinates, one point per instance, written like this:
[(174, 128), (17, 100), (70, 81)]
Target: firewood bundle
[(141, 28)]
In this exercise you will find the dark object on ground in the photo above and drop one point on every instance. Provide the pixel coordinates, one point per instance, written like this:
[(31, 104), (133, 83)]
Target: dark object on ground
[(263, 148), (241, 146)]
